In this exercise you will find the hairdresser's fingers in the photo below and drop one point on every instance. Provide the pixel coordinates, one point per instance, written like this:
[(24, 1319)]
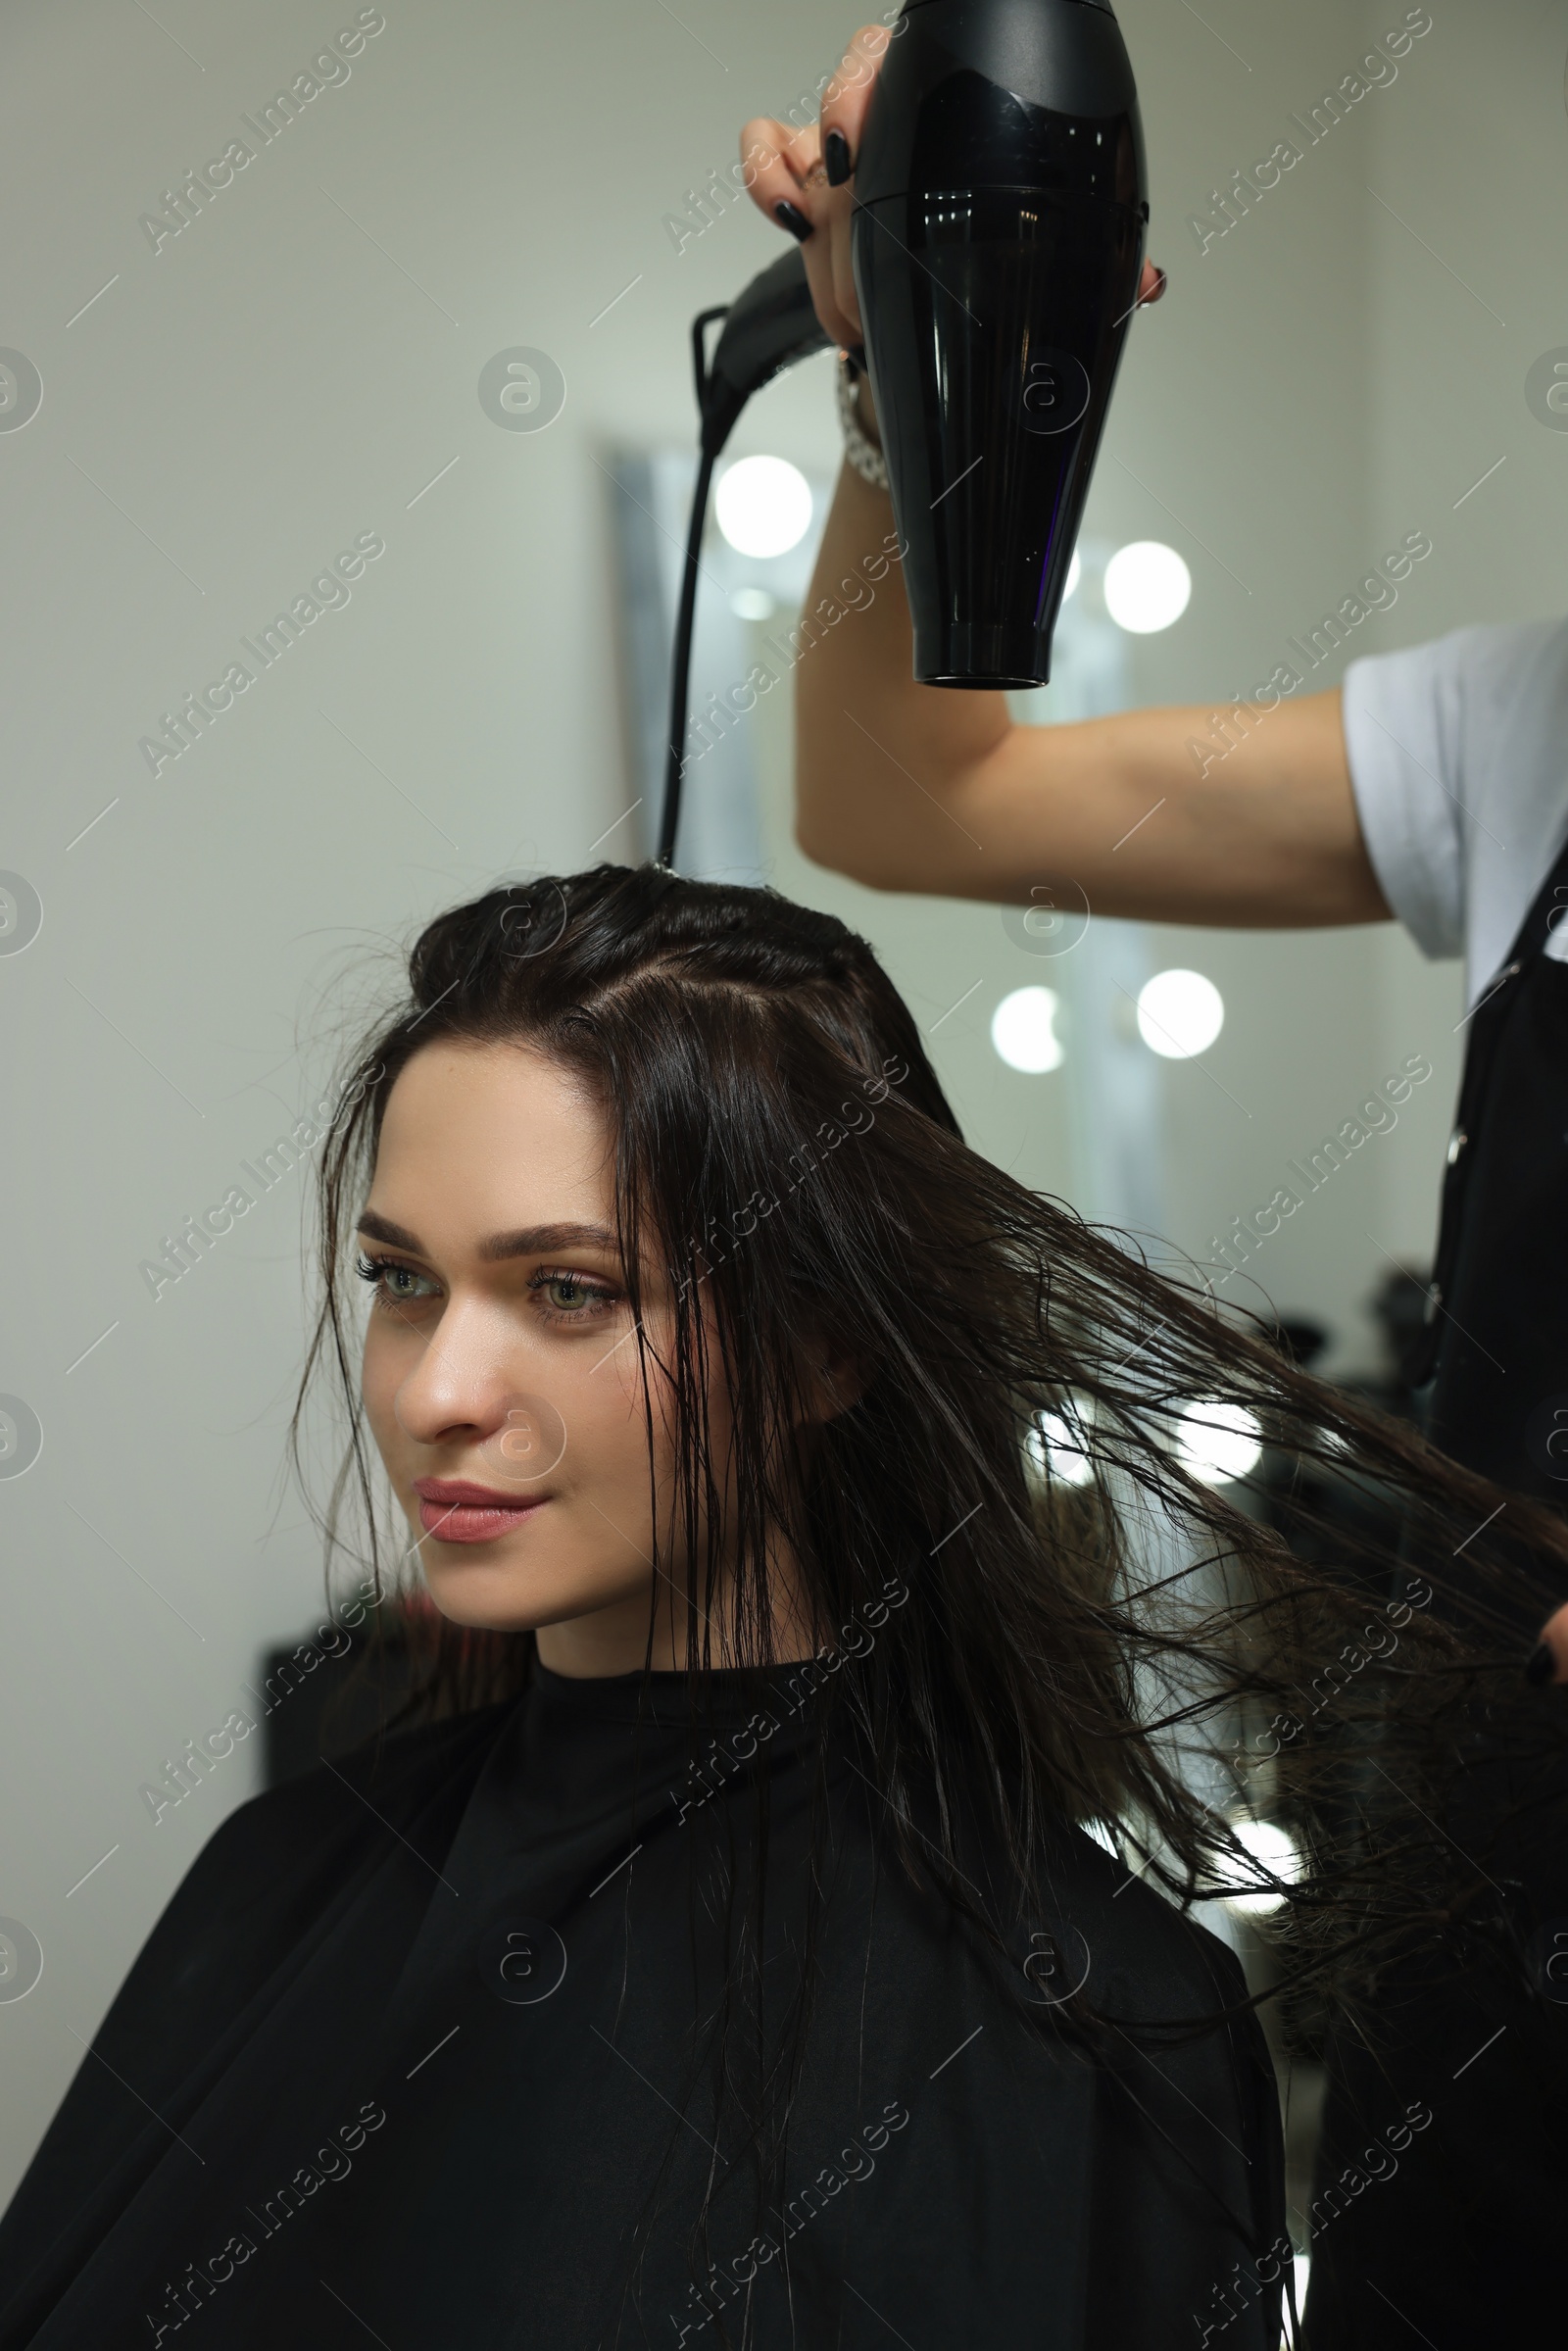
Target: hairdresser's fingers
[(1550, 1662), (775, 166), (844, 105), (849, 95), (1151, 285), (783, 173)]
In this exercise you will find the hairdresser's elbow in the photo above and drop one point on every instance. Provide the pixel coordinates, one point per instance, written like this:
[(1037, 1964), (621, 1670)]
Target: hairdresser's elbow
[(824, 838)]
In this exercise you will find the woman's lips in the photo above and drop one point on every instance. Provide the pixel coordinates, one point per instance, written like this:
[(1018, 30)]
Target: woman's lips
[(455, 1510)]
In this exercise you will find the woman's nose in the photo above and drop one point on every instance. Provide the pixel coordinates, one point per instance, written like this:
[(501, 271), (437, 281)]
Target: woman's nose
[(462, 1380)]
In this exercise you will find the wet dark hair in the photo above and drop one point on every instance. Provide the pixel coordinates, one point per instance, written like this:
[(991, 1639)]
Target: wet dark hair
[(1084, 1606)]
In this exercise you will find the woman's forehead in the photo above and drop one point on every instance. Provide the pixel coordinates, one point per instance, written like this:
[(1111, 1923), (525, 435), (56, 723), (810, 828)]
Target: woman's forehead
[(498, 1137)]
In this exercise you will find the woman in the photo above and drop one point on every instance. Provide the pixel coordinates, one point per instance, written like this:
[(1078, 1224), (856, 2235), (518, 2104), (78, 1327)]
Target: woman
[(726, 1958)]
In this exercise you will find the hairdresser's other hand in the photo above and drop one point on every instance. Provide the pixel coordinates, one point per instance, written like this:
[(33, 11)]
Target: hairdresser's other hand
[(804, 182), (1549, 1663)]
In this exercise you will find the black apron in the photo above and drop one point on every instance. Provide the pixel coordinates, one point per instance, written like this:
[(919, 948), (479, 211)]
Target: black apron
[(1454, 2229), (1497, 1310)]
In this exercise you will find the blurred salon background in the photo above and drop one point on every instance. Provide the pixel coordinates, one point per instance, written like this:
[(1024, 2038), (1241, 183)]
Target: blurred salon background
[(437, 325)]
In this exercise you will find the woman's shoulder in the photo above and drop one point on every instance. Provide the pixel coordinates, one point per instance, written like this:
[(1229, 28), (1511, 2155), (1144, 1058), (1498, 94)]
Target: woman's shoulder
[(279, 1861), (1146, 1958), (399, 1770), (258, 1892), (1096, 1923)]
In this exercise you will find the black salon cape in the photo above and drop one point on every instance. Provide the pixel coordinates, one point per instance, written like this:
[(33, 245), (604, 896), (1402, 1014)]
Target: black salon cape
[(406, 2052)]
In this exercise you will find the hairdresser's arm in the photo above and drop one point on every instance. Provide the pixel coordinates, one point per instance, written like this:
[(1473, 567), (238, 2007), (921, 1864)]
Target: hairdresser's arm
[(930, 788), (925, 788)]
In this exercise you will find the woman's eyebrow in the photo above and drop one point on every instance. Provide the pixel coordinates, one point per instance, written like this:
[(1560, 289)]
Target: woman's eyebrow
[(540, 1240), (529, 1241)]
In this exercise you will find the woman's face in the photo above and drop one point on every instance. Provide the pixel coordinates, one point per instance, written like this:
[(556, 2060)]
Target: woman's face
[(501, 1373)]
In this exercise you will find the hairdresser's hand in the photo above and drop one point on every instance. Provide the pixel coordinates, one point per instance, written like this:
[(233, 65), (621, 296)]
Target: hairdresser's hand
[(803, 181), (1550, 1662)]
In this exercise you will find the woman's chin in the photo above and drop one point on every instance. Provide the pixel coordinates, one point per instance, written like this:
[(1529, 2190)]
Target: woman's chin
[(487, 1587), (497, 1601)]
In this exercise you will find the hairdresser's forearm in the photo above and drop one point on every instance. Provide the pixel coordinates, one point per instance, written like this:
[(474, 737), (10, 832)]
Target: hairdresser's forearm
[(868, 739), (934, 789)]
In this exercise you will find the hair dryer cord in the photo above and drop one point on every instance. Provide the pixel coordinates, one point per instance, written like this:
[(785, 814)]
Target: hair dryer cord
[(681, 667), (770, 324), (681, 680)]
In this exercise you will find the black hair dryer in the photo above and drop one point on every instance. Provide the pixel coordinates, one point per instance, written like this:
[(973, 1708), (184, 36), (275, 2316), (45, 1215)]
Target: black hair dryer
[(998, 245), (998, 242)]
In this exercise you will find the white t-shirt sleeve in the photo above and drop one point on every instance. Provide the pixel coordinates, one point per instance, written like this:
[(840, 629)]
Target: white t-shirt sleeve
[(1447, 773), (1404, 734)]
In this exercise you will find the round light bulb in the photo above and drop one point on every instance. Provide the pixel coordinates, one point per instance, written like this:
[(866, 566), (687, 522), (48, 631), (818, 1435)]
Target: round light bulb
[(1219, 1443), (1148, 587), (1059, 1446), (1180, 1014), (763, 506), (1023, 1033), (1278, 1857)]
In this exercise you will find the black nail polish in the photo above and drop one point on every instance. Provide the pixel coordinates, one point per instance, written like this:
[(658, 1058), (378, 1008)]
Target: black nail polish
[(1542, 1665), (836, 158), (1163, 276), (794, 219)]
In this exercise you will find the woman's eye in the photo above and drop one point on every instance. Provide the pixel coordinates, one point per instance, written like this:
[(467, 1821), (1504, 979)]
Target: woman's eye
[(394, 1284), (572, 1300)]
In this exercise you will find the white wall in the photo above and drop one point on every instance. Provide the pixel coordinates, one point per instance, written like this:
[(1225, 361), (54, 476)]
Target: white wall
[(278, 378)]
